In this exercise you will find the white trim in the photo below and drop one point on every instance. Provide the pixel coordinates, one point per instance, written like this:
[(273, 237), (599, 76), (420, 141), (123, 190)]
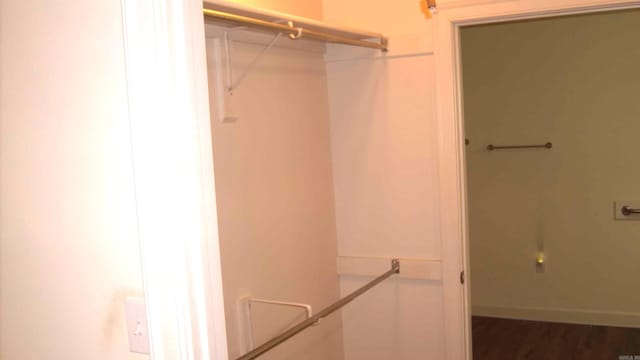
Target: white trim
[(173, 170), (569, 316), (451, 142), (410, 268)]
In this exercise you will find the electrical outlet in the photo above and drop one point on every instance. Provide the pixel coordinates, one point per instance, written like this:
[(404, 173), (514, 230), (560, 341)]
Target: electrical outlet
[(137, 328)]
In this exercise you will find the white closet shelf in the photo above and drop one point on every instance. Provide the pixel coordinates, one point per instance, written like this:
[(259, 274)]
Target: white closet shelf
[(294, 26)]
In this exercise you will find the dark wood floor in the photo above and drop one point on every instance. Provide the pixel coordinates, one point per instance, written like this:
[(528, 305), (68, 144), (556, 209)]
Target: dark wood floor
[(504, 339)]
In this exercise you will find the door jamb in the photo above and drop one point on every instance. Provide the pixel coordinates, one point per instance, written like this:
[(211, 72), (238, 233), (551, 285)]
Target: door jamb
[(165, 61)]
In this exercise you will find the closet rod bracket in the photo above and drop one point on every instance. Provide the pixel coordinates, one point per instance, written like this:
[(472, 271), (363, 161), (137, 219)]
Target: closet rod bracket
[(395, 264), (231, 85), (306, 307)]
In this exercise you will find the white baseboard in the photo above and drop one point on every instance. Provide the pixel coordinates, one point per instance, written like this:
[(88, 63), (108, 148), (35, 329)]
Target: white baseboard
[(571, 316)]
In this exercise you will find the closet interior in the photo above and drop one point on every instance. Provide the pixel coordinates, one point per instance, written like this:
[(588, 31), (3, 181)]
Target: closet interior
[(292, 146)]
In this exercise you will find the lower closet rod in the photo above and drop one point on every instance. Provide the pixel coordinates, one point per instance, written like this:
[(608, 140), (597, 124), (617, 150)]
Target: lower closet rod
[(395, 269)]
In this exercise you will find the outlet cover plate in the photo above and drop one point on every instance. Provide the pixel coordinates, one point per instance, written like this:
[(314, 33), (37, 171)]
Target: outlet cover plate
[(137, 328)]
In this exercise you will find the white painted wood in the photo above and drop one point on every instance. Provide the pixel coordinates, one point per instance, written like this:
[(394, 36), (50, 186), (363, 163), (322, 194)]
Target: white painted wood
[(419, 269), (451, 141), (452, 195), (173, 166)]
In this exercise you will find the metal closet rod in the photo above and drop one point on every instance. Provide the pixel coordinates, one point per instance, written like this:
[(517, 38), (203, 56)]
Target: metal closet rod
[(395, 269), (295, 32)]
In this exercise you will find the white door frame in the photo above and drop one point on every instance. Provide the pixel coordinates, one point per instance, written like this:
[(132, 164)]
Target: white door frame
[(455, 258), (173, 169)]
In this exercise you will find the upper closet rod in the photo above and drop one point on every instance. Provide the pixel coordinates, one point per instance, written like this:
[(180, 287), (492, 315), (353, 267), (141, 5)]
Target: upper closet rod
[(296, 32), (395, 269)]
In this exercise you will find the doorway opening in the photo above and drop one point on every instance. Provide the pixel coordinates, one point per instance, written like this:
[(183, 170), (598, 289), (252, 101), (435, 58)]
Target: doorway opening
[(549, 117)]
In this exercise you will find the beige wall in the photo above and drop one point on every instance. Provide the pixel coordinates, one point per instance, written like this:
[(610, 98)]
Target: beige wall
[(275, 195), (384, 145), (573, 81), (68, 239)]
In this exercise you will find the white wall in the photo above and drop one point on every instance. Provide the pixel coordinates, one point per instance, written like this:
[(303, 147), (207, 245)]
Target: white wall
[(275, 195), (384, 145), (573, 81), (68, 241)]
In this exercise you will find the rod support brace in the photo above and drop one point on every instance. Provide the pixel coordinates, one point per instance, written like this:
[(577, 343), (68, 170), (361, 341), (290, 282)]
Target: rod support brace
[(395, 264)]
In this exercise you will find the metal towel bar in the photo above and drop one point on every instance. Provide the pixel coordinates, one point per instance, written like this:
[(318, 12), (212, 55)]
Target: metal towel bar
[(626, 211), (492, 147)]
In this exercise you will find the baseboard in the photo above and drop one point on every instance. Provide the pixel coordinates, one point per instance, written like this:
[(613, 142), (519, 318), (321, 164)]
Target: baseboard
[(571, 316)]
